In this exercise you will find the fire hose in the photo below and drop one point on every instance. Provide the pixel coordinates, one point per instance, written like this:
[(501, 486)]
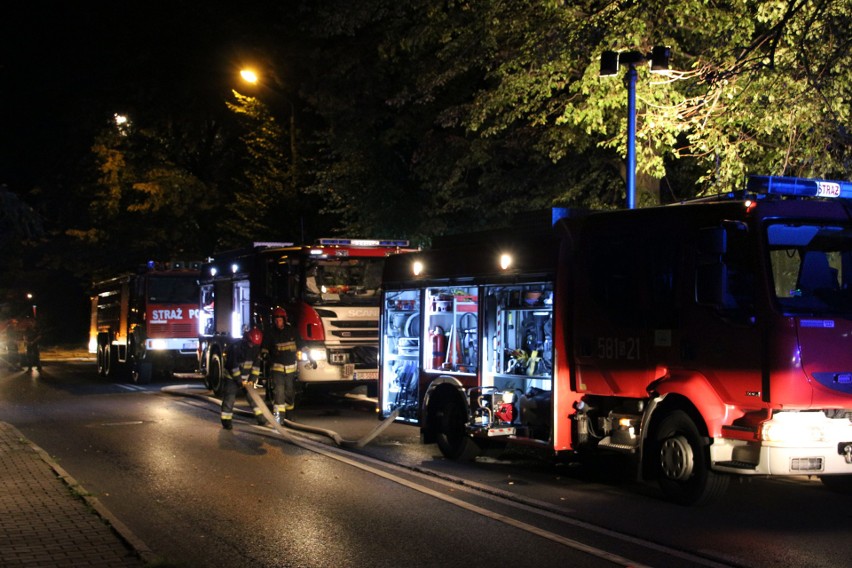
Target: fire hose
[(185, 390)]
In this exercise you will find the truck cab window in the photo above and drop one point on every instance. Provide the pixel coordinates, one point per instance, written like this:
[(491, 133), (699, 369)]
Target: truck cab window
[(811, 267)]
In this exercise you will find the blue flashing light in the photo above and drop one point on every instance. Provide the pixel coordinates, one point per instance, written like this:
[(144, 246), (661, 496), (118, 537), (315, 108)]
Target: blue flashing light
[(800, 187), (558, 213)]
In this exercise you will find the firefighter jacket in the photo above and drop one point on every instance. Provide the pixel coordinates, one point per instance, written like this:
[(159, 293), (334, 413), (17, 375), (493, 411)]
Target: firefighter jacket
[(240, 360), (280, 344)]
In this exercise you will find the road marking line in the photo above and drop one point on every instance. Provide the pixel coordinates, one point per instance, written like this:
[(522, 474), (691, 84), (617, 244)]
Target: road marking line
[(571, 543)]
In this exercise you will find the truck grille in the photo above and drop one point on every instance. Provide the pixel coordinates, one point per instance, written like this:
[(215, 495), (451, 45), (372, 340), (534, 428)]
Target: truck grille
[(356, 334)]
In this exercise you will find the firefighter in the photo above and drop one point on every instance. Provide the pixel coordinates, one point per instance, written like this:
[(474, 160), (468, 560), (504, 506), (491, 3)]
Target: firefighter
[(240, 373), (279, 343), (32, 336)]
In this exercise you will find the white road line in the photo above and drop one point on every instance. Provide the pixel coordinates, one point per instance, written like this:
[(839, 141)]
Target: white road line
[(571, 543)]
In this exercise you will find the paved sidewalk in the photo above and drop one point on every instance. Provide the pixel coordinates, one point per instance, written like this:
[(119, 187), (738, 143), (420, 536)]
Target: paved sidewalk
[(46, 518)]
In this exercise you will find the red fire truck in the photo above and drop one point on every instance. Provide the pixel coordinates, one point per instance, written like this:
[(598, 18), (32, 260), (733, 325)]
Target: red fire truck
[(146, 322), (706, 340), (330, 291)]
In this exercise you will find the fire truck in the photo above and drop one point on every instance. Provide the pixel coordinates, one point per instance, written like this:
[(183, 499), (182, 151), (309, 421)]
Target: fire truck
[(145, 323), (702, 341), (330, 291)]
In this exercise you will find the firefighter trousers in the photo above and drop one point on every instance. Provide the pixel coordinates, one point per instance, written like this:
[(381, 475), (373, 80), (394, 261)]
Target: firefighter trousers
[(283, 391), (231, 388)]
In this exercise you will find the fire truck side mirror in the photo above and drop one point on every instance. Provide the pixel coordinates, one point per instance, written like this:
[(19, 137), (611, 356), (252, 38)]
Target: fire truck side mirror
[(711, 273)]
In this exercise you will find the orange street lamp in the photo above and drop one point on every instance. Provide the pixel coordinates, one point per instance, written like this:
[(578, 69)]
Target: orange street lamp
[(250, 76)]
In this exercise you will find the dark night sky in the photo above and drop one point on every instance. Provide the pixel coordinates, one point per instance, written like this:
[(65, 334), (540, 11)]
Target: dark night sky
[(66, 67)]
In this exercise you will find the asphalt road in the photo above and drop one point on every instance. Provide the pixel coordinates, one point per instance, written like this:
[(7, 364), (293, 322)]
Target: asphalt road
[(198, 495)]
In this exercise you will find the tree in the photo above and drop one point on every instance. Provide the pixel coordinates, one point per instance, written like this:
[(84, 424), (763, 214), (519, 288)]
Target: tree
[(262, 205), (459, 113), (150, 199)]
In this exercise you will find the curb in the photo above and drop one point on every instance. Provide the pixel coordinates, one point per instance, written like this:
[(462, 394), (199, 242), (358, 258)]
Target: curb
[(123, 532)]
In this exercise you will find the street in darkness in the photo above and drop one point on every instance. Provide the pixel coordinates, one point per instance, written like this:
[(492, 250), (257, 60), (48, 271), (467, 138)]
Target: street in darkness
[(197, 495)]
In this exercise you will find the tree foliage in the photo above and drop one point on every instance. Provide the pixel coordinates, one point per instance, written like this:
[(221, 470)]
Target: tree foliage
[(463, 112), (416, 118), (149, 200)]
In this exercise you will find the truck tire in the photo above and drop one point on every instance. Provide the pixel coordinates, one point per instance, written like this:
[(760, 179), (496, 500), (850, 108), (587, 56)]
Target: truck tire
[(683, 463), (214, 374), (453, 441), (102, 360), (140, 372), (109, 362)]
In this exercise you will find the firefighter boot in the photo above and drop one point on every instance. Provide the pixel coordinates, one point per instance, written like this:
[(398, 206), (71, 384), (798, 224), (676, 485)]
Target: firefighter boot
[(280, 414), (227, 424), (258, 415)]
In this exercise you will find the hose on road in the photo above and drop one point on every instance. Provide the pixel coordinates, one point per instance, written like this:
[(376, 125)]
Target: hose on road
[(191, 391)]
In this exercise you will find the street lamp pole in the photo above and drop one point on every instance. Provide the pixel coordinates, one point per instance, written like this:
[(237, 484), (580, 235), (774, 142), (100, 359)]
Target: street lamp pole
[(31, 298), (249, 76), (631, 137), (610, 61)]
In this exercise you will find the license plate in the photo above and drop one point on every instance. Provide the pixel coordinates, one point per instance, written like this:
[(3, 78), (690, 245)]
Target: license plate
[(367, 375), (348, 370), (190, 346)]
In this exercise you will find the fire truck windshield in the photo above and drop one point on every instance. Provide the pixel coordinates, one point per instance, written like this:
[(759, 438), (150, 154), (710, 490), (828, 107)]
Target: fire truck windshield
[(172, 290), (343, 281), (811, 267)]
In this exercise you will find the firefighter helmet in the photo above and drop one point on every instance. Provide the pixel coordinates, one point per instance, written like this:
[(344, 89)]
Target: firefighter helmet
[(255, 336), (279, 313)]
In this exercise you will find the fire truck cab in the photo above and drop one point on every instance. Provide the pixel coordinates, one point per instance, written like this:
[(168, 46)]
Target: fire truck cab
[(330, 291), (705, 340)]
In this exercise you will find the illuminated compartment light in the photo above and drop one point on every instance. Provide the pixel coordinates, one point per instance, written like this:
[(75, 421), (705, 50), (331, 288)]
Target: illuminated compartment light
[(417, 267), (505, 261), (236, 327), (800, 187)]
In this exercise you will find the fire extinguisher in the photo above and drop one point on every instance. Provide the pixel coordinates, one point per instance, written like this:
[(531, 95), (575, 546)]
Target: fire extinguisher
[(439, 346)]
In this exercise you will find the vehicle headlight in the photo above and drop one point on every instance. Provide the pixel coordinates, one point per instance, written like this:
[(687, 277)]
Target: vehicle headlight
[(794, 428), (157, 344), (312, 355)]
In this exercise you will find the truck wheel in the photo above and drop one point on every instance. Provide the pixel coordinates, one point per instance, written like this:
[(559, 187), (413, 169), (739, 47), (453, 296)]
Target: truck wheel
[(102, 360), (140, 372), (684, 463), (453, 440), (109, 362), (837, 483), (214, 374)]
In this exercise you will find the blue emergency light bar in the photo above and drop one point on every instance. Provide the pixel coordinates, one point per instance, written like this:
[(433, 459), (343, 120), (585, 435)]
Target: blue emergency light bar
[(800, 187), (363, 242)]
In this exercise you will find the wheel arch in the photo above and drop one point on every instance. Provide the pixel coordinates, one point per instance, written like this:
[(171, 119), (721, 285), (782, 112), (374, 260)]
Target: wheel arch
[(694, 394), (660, 408)]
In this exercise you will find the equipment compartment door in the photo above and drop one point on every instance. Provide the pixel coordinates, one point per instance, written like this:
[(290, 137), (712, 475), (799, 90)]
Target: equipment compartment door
[(400, 354)]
